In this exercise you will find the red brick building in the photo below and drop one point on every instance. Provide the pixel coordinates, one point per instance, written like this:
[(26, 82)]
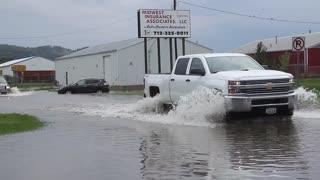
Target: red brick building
[(309, 59)]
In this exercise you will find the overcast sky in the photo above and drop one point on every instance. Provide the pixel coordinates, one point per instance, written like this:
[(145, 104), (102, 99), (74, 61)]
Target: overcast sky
[(78, 23)]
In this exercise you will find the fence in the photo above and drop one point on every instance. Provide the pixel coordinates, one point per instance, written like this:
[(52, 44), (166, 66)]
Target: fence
[(301, 71), (32, 77)]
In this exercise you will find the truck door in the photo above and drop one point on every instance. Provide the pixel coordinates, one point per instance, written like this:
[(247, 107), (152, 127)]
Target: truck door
[(196, 75), (178, 79)]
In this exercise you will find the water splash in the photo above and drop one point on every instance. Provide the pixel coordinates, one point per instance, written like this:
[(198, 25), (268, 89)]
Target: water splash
[(199, 108), (202, 105), (16, 92), (307, 99), (308, 105), (149, 105)]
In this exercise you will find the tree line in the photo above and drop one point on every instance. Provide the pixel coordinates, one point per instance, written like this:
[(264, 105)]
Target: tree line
[(11, 52)]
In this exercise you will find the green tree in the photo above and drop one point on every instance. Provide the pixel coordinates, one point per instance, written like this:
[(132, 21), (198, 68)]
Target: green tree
[(284, 61), (264, 58), (261, 54)]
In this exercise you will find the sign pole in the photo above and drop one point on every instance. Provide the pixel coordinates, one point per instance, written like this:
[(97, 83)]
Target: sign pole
[(171, 59), (145, 55), (298, 64), (159, 55), (183, 46)]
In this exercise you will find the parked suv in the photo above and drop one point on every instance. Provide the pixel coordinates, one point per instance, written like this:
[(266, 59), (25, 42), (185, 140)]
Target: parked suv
[(4, 86), (89, 85)]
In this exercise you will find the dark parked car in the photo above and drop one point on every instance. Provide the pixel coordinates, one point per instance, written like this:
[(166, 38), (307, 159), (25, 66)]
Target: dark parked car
[(90, 85)]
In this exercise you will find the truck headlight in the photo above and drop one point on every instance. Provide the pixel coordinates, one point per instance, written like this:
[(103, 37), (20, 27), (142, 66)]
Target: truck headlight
[(235, 83), (291, 80), (233, 89)]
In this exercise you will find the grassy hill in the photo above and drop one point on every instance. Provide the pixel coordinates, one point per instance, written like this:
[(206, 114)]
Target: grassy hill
[(10, 52)]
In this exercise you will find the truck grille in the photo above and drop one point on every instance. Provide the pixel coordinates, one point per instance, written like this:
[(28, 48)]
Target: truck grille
[(262, 87), (264, 90)]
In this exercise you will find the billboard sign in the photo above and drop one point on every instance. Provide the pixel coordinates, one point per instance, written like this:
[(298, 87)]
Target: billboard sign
[(158, 23), (18, 67)]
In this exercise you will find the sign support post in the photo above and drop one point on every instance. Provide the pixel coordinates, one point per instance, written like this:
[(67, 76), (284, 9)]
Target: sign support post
[(145, 55), (159, 55), (171, 59)]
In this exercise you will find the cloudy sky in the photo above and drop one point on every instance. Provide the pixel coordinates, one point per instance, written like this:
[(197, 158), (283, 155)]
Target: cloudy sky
[(78, 23)]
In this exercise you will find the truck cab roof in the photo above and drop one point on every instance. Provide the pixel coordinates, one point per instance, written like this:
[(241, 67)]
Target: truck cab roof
[(206, 55)]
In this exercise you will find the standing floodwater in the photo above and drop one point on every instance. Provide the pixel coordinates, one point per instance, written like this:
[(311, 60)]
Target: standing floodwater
[(127, 137)]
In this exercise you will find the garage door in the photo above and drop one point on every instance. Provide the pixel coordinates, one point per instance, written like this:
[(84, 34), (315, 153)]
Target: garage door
[(108, 71)]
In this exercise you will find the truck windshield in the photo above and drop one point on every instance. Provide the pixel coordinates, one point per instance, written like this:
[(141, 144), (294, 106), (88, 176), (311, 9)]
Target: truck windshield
[(232, 63)]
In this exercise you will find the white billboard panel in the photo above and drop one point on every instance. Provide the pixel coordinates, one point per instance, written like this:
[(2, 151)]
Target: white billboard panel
[(158, 23)]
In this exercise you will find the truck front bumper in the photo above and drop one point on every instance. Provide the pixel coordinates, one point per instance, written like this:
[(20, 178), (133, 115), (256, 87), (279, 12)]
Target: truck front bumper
[(247, 103)]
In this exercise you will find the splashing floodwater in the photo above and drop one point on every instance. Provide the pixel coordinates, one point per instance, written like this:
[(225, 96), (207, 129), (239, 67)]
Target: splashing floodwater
[(308, 105), (202, 107), (199, 108), (307, 99), (16, 92)]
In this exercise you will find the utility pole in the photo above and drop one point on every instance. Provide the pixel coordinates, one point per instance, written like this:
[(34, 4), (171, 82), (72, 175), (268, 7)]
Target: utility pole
[(175, 39)]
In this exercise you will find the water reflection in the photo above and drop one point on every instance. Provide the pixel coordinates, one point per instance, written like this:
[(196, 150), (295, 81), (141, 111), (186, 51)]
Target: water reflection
[(164, 157), (266, 145), (241, 149)]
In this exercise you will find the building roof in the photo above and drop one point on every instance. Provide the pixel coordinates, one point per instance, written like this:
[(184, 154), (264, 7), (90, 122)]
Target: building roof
[(111, 47), (104, 48), (9, 63), (279, 43)]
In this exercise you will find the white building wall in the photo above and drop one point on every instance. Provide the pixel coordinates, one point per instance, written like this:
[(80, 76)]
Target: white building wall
[(128, 64), (6, 70), (131, 65), (90, 66), (34, 64), (38, 64), (131, 59)]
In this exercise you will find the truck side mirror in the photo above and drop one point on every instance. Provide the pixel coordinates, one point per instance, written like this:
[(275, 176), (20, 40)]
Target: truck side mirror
[(199, 72), (266, 67)]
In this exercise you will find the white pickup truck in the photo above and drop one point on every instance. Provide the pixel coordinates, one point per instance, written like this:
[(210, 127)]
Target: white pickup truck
[(244, 83)]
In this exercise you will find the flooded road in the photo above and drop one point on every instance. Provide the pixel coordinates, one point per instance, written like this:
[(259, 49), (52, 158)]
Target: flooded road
[(125, 137)]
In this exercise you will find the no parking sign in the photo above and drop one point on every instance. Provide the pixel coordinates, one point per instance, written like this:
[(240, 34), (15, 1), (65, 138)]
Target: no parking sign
[(298, 43)]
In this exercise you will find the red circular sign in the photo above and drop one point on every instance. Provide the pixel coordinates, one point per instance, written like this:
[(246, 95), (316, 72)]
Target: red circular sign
[(298, 44)]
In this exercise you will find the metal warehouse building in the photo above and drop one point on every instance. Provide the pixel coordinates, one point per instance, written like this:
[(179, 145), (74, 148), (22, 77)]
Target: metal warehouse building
[(35, 69), (120, 63), (309, 60)]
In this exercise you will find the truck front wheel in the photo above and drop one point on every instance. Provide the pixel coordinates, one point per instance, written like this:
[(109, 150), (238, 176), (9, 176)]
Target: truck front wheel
[(287, 112)]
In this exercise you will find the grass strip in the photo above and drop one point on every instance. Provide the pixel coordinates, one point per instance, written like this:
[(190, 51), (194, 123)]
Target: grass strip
[(138, 93), (310, 83), (13, 123)]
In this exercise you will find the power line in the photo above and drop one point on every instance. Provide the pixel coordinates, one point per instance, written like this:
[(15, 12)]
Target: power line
[(250, 16), (68, 33)]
